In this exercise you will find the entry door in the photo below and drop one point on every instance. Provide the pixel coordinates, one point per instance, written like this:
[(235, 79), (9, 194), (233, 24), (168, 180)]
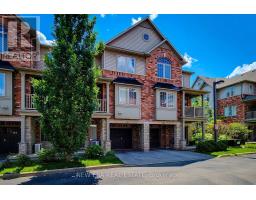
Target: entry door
[(121, 138), (154, 138), (9, 140)]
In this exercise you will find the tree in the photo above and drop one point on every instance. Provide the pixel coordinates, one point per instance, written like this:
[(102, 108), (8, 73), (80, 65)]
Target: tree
[(66, 96), (238, 131)]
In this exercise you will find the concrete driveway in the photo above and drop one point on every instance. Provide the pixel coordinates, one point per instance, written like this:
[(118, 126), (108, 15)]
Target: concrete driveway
[(157, 157)]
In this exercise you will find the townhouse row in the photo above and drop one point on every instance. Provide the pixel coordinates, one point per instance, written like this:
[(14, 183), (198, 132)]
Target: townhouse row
[(144, 96)]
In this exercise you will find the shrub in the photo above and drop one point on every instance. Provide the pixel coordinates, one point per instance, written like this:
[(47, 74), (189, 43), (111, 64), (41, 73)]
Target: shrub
[(211, 146), (94, 152), (23, 160), (238, 131), (6, 164), (251, 145), (47, 155)]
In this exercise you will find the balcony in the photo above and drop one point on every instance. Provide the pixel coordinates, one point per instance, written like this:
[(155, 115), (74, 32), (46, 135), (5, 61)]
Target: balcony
[(250, 116), (194, 112), (29, 103), (102, 106)]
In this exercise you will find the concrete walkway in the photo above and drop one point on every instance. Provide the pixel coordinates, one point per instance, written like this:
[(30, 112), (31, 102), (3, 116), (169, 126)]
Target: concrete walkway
[(160, 157)]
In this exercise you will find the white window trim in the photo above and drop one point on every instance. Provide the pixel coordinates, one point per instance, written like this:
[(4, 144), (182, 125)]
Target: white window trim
[(127, 97), (164, 66), (126, 57), (4, 75), (172, 105)]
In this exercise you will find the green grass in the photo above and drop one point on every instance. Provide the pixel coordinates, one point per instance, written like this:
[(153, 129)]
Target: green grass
[(82, 162), (232, 151)]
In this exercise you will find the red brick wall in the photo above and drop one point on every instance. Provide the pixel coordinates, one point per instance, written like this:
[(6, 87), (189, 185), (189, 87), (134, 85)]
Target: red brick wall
[(232, 101), (150, 78)]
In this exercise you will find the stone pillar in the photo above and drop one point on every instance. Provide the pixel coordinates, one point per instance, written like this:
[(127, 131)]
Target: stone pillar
[(23, 144), (145, 145), (203, 131), (107, 85), (105, 132), (179, 142), (29, 131), (23, 90)]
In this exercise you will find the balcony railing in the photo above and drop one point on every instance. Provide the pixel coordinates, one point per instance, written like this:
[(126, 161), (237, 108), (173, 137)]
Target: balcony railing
[(29, 103), (194, 112), (250, 115), (102, 105)]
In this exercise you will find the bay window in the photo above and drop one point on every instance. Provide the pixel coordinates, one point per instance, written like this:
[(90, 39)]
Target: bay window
[(2, 84), (126, 64), (167, 99), (127, 96)]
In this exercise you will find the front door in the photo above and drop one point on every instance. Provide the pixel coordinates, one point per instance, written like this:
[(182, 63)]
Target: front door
[(154, 138)]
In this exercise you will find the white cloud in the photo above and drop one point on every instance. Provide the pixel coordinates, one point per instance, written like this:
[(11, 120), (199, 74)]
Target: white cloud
[(190, 60), (153, 16), (134, 21), (242, 69), (43, 40), (102, 15)]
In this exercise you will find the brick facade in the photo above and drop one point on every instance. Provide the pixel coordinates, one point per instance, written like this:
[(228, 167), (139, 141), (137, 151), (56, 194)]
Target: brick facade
[(147, 91), (232, 101)]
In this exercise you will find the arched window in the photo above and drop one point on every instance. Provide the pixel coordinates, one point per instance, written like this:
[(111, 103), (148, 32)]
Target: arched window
[(164, 68)]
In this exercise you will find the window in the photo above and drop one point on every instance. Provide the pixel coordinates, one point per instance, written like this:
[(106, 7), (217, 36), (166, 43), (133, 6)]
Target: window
[(127, 96), (230, 111), (126, 64), (251, 89), (2, 84), (230, 91), (3, 39), (163, 68), (166, 100), (145, 36)]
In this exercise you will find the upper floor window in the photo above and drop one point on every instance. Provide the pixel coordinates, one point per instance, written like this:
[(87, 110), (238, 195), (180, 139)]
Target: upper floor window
[(163, 68), (2, 84), (127, 96), (230, 111), (3, 39), (145, 36), (126, 64), (230, 92), (167, 99), (251, 89)]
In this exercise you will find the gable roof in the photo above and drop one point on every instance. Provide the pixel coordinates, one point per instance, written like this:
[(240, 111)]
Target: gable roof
[(207, 80), (156, 30), (246, 77)]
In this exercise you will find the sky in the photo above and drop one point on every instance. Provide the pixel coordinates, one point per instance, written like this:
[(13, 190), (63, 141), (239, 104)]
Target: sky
[(213, 45)]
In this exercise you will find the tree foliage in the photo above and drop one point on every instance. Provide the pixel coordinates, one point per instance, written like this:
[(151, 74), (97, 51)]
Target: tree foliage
[(66, 96)]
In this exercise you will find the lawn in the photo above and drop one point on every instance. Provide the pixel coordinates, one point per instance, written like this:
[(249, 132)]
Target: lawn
[(82, 162), (232, 151)]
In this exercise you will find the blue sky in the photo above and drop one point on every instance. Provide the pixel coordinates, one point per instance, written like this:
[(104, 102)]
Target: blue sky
[(216, 44)]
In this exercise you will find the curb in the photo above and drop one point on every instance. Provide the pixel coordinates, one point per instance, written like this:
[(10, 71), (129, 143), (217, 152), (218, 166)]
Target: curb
[(65, 170), (235, 154)]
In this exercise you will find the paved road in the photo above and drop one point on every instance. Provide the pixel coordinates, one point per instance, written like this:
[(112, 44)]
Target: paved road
[(229, 170)]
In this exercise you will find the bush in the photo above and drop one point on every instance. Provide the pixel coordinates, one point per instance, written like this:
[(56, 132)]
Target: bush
[(238, 131), (211, 146), (251, 145), (94, 152), (23, 160), (47, 155), (6, 164)]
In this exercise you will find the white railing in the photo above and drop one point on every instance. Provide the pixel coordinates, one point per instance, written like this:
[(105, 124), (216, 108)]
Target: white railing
[(102, 105), (250, 115), (194, 112), (29, 103)]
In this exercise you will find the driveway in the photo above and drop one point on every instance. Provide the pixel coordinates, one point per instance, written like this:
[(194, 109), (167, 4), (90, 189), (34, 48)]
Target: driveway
[(160, 156), (236, 170)]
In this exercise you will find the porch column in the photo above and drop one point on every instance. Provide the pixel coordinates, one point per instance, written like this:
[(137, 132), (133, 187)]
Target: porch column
[(107, 85), (178, 136), (23, 90), (145, 137), (22, 144), (183, 139), (203, 131), (105, 132)]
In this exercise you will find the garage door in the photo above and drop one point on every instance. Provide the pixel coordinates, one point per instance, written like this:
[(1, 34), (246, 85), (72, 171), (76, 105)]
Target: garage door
[(121, 138), (154, 138), (9, 140)]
